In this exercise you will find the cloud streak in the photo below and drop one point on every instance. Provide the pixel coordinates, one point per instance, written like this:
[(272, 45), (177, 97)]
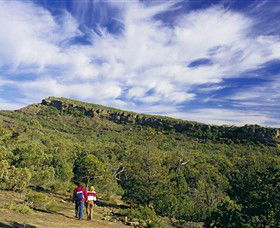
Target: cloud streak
[(148, 64)]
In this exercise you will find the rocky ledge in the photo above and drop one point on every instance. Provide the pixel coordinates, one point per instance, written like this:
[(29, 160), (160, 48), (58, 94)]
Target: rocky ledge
[(247, 133)]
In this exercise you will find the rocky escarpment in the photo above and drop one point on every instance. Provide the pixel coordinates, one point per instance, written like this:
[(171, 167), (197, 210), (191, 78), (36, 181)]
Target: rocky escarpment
[(247, 133)]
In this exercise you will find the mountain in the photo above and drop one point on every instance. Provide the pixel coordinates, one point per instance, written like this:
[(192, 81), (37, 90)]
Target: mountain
[(252, 133), (184, 170)]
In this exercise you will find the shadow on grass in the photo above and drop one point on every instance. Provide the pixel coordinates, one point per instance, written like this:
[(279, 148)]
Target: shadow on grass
[(51, 212), (16, 225), (43, 190), (112, 205)]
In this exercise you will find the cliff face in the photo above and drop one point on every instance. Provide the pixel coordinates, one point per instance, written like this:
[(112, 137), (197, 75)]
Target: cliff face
[(247, 133)]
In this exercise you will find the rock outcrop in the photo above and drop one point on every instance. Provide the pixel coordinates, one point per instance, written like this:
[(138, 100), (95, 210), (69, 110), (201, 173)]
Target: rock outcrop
[(247, 133)]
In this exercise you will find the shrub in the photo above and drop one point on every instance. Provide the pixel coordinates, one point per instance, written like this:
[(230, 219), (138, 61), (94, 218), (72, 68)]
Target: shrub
[(61, 187), (41, 201), (52, 206), (12, 178), (21, 208), (37, 200), (146, 216)]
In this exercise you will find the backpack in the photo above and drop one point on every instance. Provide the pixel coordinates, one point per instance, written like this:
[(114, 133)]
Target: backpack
[(79, 195)]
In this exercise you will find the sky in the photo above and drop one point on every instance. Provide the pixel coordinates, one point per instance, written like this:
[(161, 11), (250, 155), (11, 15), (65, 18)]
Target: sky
[(211, 61)]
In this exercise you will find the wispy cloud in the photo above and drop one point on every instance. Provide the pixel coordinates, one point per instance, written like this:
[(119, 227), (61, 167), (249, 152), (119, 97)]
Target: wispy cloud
[(227, 117), (5, 105), (266, 95), (147, 64)]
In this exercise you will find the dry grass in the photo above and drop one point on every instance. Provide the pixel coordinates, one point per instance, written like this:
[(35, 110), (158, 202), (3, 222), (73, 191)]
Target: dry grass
[(63, 217)]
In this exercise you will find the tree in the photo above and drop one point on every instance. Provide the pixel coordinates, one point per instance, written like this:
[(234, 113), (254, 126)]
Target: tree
[(12, 178), (88, 168), (144, 178), (255, 186), (37, 161)]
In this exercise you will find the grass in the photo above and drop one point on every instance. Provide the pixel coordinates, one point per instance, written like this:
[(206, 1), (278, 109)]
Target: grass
[(96, 106), (22, 208), (59, 212)]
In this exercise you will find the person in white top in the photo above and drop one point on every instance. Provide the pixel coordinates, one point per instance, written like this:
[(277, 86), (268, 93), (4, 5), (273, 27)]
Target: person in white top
[(91, 202)]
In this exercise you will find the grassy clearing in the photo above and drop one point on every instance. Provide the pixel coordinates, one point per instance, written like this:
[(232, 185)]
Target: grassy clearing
[(16, 211)]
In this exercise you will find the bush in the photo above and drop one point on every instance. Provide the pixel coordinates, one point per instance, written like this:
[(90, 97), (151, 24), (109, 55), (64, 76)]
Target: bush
[(41, 201), (52, 206), (146, 216), (21, 208), (12, 178), (37, 200), (228, 214), (61, 187)]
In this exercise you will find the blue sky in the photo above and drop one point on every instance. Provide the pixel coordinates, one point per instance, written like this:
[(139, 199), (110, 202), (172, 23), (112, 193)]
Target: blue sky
[(210, 61)]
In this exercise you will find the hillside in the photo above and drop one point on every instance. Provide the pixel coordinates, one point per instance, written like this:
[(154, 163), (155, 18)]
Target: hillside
[(182, 170), (253, 133), (15, 213)]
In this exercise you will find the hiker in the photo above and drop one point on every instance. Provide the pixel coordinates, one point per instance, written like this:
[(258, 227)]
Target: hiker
[(79, 197), (91, 202)]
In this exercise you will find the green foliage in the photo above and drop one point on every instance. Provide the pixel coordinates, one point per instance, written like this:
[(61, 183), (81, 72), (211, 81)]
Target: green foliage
[(186, 176), (12, 178), (88, 168), (38, 162), (5, 154), (41, 201), (227, 214), (93, 171), (144, 177), (62, 164), (37, 200), (48, 111), (18, 207), (209, 189), (61, 187), (146, 216), (255, 186)]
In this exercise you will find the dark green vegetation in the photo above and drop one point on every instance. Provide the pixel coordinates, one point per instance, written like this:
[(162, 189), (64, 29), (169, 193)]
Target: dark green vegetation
[(227, 176)]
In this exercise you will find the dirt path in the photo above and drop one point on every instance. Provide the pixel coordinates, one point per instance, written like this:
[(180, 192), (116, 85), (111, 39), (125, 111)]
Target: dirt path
[(62, 218), (39, 219)]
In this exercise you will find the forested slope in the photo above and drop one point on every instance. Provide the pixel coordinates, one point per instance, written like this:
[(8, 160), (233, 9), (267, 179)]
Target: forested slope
[(229, 176)]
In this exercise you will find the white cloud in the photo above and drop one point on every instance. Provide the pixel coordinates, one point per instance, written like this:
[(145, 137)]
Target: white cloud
[(136, 92), (226, 117), (50, 87), (211, 88), (10, 106), (4, 82), (201, 30), (267, 95), (146, 63), (24, 39), (5, 105)]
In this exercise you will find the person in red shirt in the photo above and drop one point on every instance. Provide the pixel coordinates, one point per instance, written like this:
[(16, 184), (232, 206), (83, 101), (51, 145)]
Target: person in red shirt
[(79, 197)]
